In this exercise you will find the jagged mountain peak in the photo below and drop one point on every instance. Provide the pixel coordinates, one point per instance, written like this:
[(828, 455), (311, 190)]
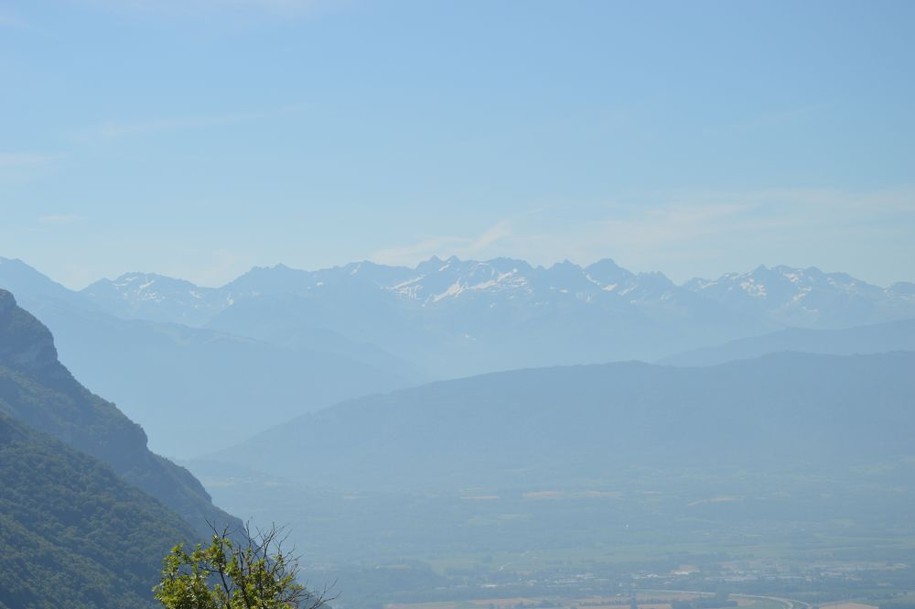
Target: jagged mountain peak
[(155, 297), (436, 280), (134, 276), (427, 266), (769, 296), (764, 281), (138, 281), (805, 297), (268, 280), (606, 266)]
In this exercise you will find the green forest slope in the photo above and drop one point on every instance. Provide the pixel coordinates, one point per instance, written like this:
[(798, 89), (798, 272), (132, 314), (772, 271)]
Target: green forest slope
[(72, 533)]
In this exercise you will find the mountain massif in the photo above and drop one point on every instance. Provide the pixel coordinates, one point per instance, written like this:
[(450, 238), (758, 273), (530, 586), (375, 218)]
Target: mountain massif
[(291, 341), (782, 295)]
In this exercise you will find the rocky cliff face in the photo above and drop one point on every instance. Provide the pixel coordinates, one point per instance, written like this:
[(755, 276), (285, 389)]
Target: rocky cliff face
[(27, 345), (38, 390)]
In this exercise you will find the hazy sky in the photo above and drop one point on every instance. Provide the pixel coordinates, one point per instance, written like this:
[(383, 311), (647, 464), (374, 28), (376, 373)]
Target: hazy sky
[(198, 138)]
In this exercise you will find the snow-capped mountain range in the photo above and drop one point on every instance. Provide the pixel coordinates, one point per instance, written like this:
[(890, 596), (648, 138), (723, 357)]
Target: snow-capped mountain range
[(291, 340), (783, 295)]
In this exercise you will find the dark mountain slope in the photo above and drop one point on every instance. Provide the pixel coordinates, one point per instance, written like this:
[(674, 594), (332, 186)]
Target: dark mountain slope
[(564, 426), (38, 390), (72, 533)]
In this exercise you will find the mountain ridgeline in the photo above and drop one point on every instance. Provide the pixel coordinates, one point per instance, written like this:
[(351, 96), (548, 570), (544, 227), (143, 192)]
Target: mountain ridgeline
[(782, 295), (467, 317), (872, 338), (299, 341), (572, 426)]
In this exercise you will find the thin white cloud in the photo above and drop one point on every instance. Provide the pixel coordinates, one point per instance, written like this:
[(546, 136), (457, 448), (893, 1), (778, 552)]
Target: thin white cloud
[(60, 219), (114, 129), (191, 8), (118, 129), (23, 159), (713, 233), (278, 6), (462, 247), (868, 234)]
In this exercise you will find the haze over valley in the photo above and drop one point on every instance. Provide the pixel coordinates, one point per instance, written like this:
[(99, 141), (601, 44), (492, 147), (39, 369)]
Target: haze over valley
[(412, 304), (781, 435)]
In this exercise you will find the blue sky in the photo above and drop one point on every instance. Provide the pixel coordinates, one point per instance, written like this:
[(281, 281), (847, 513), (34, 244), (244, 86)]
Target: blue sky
[(198, 138)]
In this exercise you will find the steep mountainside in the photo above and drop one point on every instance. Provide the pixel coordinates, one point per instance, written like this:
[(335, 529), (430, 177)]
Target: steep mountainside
[(559, 427), (74, 534), (38, 390)]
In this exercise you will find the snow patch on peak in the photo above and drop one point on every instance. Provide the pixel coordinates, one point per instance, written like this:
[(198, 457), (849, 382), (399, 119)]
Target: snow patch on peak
[(753, 288), (794, 277), (453, 290)]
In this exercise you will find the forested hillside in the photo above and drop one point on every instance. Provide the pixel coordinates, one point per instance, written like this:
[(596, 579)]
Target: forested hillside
[(72, 533), (38, 390)]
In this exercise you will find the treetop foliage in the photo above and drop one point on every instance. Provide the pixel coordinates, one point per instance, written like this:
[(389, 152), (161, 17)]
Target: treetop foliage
[(253, 574)]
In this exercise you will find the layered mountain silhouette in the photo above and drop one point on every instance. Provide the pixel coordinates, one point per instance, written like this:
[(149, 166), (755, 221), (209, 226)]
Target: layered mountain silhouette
[(208, 380), (304, 340)]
